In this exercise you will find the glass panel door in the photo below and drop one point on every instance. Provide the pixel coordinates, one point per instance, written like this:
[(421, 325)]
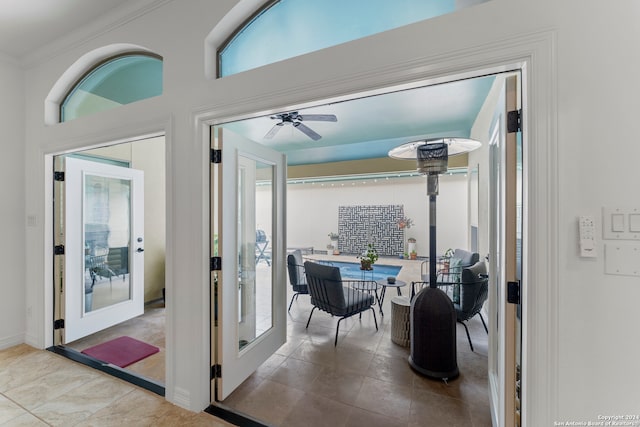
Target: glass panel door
[(248, 233), (106, 219), (255, 275), (104, 246)]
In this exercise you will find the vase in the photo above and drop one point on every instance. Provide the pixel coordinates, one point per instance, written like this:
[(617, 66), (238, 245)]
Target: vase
[(411, 247)]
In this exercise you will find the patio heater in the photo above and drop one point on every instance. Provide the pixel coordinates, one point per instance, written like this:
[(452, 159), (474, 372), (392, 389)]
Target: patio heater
[(433, 318)]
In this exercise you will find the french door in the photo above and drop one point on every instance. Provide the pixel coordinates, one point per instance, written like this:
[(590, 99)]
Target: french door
[(506, 201), (248, 238), (103, 247)]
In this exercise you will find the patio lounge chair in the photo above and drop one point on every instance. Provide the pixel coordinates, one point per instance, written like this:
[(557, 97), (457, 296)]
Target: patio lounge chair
[(451, 276), (336, 296), (297, 277), (474, 291)]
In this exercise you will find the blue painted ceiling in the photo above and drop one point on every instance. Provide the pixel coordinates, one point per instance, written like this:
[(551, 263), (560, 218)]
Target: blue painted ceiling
[(369, 127)]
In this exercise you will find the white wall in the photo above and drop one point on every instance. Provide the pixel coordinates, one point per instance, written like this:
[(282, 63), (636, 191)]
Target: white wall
[(148, 155), (312, 210), (12, 218), (582, 85)]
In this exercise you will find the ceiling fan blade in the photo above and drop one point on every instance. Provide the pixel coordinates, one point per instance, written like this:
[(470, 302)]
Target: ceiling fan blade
[(318, 117), (307, 131), (272, 132)]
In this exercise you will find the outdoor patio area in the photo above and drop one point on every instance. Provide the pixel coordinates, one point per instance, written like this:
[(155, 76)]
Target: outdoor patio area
[(366, 378)]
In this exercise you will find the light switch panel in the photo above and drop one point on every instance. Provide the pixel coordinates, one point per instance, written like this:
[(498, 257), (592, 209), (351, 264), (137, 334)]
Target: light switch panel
[(621, 223)]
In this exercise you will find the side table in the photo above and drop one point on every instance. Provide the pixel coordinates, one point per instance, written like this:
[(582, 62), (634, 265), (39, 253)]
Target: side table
[(401, 321), (385, 284)]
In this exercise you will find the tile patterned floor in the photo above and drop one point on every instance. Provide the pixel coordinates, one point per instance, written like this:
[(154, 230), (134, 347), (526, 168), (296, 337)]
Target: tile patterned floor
[(365, 380), (40, 388)]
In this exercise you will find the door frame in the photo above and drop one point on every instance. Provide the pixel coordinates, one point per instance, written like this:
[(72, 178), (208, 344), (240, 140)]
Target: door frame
[(105, 139), (534, 56)]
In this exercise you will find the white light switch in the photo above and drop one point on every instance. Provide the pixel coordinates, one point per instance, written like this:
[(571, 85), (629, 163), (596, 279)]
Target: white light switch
[(634, 223), (617, 222)]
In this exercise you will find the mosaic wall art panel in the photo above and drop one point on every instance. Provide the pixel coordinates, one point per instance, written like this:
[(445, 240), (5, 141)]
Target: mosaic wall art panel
[(377, 224)]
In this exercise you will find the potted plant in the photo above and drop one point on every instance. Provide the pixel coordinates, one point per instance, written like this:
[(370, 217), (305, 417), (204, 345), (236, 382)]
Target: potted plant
[(368, 258), (413, 255), (411, 245), (333, 247)]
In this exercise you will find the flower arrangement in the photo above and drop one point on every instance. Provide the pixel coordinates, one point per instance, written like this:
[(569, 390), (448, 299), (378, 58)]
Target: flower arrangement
[(404, 222), (368, 257), (333, 236)]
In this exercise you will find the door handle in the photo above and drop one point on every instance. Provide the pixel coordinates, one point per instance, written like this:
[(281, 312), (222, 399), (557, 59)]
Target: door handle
[(139, 250)]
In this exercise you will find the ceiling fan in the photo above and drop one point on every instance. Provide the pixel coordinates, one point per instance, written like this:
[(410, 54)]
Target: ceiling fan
[(295, 119)]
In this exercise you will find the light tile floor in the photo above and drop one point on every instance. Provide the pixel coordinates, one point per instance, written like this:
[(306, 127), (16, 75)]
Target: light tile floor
[(364, 381), (40, 388)]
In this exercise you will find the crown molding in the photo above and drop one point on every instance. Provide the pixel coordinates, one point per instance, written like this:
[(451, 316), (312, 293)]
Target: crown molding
[(76, 38)]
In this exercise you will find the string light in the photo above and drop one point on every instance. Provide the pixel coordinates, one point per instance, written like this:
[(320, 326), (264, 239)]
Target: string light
[(362, 177)]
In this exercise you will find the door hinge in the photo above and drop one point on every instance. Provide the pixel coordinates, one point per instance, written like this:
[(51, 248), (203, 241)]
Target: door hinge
[(514, 121), (216, 156), (58, 250), (216, 371), (215, 264), (513, 292), (58, 324)]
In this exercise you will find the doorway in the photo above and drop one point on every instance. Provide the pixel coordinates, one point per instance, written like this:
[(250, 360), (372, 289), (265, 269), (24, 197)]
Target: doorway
[(109, 205), (281, 368)]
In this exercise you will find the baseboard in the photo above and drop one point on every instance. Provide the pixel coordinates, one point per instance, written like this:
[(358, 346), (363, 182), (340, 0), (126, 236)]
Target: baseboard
[(181, 397), (154, 301), (12, 341), (33, 341)]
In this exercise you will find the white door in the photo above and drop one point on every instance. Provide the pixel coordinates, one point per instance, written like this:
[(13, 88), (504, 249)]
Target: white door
[(249, 234), (104, 246), (506, 263)]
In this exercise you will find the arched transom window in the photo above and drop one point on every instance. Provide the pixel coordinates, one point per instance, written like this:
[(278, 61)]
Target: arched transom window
[(117, 81), (282, 29)]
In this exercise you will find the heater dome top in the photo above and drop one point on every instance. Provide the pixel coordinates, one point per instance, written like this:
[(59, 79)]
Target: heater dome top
[(409, 151)]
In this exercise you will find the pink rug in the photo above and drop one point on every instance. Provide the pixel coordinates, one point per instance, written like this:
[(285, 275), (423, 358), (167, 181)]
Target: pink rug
[(121, 351)]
